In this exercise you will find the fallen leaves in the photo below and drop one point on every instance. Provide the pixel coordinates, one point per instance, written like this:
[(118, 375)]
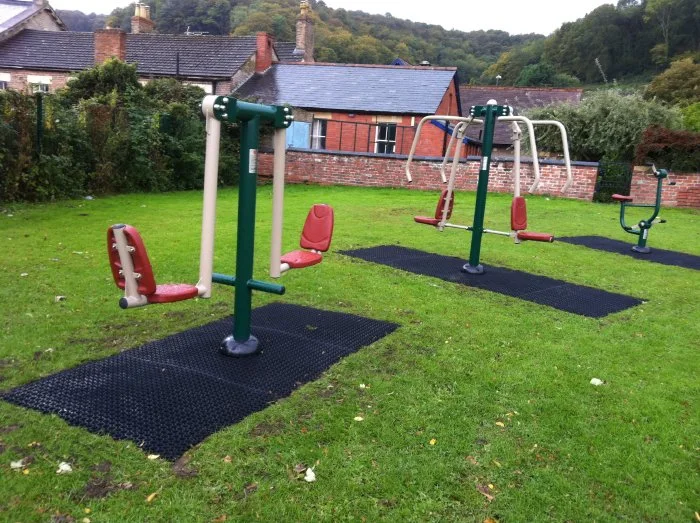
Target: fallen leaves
[(500, 424), (432, 441), (597, 382), (485, 490), (472, 460), (152, 496), (305, 472), (358, 418)]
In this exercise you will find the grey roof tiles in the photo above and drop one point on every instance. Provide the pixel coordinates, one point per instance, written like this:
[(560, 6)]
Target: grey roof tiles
[(50, 50), (383, 89)]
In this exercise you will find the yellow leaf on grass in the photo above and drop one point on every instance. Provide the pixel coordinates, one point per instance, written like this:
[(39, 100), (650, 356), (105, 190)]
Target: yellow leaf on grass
[(220, 519), (490, 520), (151, 497), (433, 441), (500, 424), (25, 471)]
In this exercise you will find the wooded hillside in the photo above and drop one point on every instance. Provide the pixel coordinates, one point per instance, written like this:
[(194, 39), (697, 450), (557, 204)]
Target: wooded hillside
[(636, 38)]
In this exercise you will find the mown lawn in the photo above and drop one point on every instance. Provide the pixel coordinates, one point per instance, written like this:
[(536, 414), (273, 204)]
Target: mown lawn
[(479, 406)]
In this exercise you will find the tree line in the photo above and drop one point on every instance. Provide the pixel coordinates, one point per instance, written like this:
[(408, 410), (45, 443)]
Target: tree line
[(634, 39)]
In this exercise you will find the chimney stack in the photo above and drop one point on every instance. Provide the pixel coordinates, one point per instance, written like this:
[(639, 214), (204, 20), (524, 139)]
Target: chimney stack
[(263, 52), (110, 43), (305, 33), (141, 21)]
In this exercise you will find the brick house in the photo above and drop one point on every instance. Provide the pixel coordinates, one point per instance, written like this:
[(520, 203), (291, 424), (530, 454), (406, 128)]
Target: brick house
[(37, 60), (520, 98), (359, 108), (16, 15)]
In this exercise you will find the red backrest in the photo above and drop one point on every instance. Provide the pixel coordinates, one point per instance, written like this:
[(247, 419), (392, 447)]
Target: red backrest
[(518, 214), (441, 205), (318, 228), (142, 265)]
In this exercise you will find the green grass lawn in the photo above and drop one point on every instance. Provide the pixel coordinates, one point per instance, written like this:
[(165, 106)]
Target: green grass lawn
[(479, 406)]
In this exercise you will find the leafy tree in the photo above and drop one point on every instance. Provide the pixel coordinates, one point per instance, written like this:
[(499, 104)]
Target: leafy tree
[(544, 73), (679, 84), (662, 12), (691, 117), (104, 81), (605, 125)]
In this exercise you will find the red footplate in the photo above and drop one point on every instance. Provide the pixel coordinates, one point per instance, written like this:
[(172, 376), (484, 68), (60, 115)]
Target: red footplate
[(535, 236), (621, 198), (301, 259), (171, 292), (426, 220)]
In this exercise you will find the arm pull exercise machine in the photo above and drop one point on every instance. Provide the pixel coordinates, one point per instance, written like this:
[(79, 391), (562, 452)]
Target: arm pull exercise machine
[(129, 261), (643, 227)]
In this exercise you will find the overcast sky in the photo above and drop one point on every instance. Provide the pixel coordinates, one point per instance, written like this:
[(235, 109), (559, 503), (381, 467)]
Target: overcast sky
[(513, 16)]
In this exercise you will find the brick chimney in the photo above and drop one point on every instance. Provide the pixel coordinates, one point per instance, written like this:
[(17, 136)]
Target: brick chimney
[(263, 53), (305, 33), (110, 43), (141, 21)]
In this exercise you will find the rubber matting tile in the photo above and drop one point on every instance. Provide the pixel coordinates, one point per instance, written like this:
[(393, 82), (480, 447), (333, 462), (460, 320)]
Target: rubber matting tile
[(600, 243), (170, 394), (569, 297)]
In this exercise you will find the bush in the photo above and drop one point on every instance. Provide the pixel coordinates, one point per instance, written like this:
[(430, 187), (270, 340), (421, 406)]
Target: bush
[(672, 150), (605, 125), (107, 134)]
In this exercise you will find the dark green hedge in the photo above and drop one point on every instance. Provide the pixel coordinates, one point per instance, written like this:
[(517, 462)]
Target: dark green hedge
[(137, 139)]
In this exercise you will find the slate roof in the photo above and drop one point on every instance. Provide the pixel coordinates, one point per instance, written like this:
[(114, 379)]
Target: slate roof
[(200, 55), (156, 54), (285, 52), (520, 98), (50, 50), (360, 88)]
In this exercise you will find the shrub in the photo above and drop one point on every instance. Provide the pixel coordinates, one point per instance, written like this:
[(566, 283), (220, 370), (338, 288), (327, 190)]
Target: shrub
[(673, 150), (606, 124)]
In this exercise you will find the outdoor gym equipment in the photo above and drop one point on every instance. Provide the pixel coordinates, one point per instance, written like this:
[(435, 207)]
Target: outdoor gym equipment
[(129, 261), (643, 227), (487, 116)]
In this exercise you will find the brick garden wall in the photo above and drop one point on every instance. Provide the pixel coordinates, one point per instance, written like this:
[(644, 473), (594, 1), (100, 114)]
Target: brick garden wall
[(686, 192), (369, 170)]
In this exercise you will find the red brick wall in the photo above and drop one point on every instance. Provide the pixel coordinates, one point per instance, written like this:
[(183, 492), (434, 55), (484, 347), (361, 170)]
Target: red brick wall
[(263, 52), (685, 193), (355, 132), (377, 171), (110, 43), (18, 79)]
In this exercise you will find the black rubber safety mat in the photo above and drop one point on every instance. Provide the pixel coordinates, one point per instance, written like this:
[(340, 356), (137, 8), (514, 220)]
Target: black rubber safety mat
[(170, 394), (600, 243), (559, 294)]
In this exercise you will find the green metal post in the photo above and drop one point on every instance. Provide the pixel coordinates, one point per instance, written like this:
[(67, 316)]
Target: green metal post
[(489, 113), (39, 123), (242, 342)]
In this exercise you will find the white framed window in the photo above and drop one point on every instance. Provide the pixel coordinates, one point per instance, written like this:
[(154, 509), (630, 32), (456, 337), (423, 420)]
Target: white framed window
[(39, 84), (3, 85), (318, 133), (5, 81), (385, 141), (39, 88)]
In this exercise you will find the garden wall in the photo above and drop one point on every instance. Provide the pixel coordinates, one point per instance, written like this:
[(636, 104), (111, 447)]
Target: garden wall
[(372, 170), (685, 193)]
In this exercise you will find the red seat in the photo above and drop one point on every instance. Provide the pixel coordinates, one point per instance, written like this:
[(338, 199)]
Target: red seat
[(518, 214), (621, 198), (438, 210), (315, 236), (146, 283)]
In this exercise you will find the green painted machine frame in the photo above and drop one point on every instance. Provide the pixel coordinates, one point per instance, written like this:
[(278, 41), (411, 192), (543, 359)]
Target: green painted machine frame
[(489, 113), (643, 227), (249, 116)]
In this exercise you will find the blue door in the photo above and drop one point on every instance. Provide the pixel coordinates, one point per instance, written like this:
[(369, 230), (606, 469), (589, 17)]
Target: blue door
[(298, 135)]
